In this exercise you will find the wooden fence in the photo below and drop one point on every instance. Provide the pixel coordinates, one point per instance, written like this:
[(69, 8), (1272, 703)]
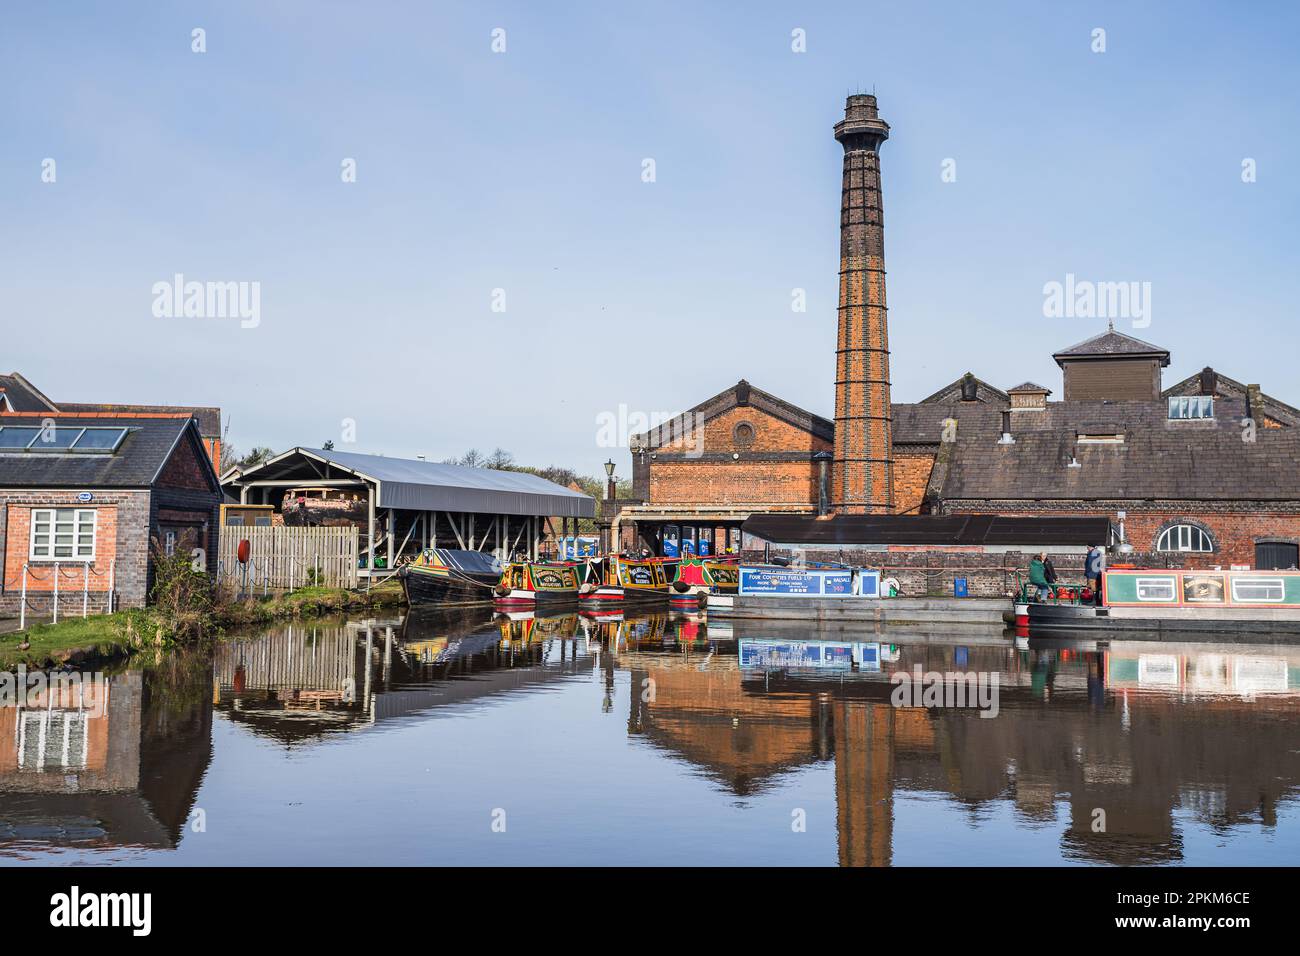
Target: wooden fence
[(284, 558)]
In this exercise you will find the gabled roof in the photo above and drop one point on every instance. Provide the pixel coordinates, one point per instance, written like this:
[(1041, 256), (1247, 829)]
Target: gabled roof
[(984, 392), (1231, 388), (739, 395), (137, 463), (1029, 387), (428, 485), (209, 418), (1157, 459), (1110, 344), (22, 396)]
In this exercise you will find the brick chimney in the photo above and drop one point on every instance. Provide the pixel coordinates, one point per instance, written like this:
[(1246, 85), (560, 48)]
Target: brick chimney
[(862, 472)]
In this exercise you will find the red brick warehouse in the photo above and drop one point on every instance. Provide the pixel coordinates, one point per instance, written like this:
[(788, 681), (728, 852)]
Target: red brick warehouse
[(1201, 472)]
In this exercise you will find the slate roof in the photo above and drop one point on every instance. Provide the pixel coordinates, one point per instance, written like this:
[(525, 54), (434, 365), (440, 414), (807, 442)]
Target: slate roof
[(1028, 387), (1227, 387), (1110, 343), (922, 424), (209, 418), (145, 449), (978, 529), (1179, 460), (984, 392), (22, 396)]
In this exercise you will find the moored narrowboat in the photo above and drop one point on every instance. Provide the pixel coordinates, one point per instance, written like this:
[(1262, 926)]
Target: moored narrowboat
[(533, 584), (1179, 602), (616, 581), (450, 577), (699, 577)]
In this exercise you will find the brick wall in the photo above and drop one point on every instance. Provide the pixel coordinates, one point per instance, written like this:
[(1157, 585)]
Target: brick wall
[(931, 571), (120, 547), (184, 500), (774, 470), (1235, 527), (911, 474)]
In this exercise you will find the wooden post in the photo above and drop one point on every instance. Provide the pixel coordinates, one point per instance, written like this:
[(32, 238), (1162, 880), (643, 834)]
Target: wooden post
[(370, 541), (392, 531)]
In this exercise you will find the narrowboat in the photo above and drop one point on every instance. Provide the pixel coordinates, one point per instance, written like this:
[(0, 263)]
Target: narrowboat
[(699, 577), (534, 584), (449, 577), (615, 581), (323, 508), (1178, 602), (521, 628)]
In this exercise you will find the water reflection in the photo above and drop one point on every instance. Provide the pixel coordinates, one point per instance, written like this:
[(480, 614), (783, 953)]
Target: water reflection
[(1170, 741), (114, 762)]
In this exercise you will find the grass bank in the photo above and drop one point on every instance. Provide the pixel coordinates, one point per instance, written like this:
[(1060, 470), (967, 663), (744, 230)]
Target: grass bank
[(109, 636)]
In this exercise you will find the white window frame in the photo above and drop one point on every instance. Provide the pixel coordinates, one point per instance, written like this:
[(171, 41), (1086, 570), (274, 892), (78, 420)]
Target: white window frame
[(1270, 582), (1177, 533), (1171, 583), (1193, 408), (78, 517)]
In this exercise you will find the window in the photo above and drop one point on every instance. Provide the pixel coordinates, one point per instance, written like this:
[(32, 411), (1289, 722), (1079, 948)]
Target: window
[(1156, 589), (1184, 537), (1258, 590), (1191, 406), (63, 534), (61, 438)]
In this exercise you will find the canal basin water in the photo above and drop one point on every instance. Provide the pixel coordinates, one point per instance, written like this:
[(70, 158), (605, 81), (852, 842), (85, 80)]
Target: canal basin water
[(475, 739)]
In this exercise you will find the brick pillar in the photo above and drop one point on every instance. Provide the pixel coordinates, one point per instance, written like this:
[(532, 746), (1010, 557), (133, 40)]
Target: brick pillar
[(862, 473)]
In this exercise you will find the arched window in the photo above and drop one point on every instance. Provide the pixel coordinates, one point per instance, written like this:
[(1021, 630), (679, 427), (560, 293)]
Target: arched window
[(1184, 537)]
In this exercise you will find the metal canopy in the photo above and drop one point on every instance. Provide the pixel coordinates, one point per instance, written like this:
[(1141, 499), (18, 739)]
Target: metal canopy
[(426, 485)]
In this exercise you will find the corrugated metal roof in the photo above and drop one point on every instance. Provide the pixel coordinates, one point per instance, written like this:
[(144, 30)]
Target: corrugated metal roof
[(433, 486)]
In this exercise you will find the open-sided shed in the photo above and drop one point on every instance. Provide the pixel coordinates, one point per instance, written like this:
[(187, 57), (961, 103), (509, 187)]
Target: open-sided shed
[(404, 505)]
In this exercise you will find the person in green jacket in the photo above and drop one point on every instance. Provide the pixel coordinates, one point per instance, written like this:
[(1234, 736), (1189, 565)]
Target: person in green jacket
[(1038, 575)]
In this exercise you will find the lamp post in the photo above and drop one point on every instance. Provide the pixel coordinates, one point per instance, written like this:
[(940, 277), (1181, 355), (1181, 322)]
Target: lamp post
[(608, 511)]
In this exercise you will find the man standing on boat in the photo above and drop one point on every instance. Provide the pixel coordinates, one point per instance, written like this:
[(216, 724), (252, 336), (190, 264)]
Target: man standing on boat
[(1092, 565)]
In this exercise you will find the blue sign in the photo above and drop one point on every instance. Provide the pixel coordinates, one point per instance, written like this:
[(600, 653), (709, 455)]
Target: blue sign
[(959, 588), (867, 656), (704, 547), (85, 496), (832, 655), (807, 582), (670, 548)]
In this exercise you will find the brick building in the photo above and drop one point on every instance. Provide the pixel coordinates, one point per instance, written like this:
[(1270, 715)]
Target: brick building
[(82, 495), (17, 394), (1200, 473)]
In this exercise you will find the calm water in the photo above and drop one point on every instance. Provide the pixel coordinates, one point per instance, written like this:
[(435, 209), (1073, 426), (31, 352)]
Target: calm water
[(660, 740)]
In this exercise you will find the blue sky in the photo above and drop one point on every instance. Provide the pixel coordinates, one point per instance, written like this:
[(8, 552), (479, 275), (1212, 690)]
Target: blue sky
[(522, 171)]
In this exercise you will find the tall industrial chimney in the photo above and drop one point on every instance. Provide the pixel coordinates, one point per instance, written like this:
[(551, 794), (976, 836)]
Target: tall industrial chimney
[(862, 479)]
